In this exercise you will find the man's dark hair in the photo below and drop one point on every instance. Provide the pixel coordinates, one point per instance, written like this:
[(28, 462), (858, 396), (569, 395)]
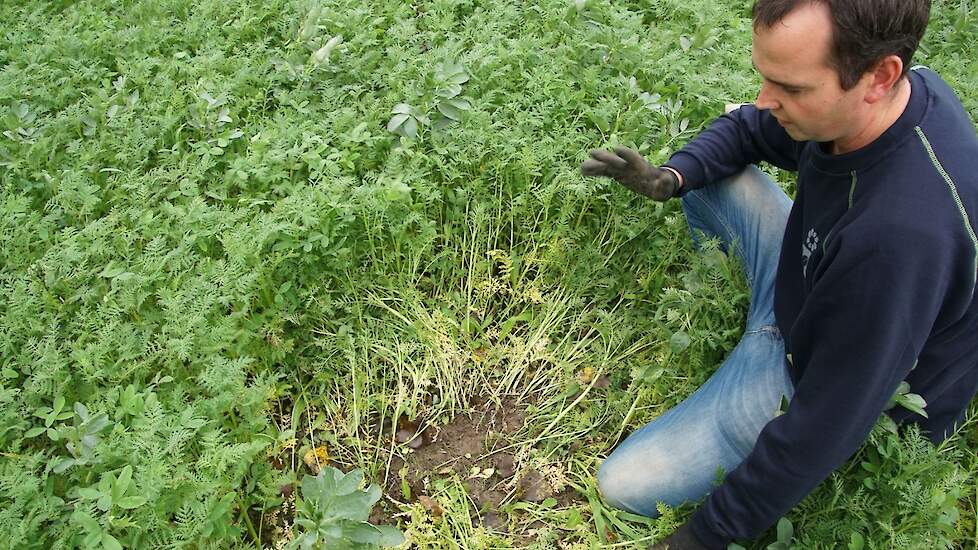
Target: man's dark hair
[(863, 31)]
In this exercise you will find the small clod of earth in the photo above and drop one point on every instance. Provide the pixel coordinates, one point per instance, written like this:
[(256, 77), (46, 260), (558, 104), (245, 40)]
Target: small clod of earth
[(475, 447)]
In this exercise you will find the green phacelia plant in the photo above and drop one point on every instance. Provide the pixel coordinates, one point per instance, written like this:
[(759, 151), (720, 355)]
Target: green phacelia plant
[(333, 513)]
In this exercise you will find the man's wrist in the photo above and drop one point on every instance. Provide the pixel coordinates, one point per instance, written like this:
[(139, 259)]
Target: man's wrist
[(679, 178)]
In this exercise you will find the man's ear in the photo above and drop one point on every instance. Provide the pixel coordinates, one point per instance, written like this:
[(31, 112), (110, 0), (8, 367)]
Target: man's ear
[(883, 77)]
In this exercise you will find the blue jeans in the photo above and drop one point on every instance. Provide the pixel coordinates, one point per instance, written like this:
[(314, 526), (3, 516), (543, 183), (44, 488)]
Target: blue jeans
[(675, 458)]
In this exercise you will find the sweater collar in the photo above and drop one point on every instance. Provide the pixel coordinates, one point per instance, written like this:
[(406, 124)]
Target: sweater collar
[(872, 153)]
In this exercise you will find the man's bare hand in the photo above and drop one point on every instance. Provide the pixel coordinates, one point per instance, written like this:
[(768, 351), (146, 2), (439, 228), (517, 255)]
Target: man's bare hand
[(634, 172)]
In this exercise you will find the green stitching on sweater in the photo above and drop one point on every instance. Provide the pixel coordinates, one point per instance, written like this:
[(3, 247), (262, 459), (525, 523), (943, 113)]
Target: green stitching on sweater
[(852, 188), (954, 193), (852, 191)]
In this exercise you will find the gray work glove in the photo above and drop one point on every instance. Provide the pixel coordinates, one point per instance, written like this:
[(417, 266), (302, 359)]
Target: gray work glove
[(634, 172), (682, 539)]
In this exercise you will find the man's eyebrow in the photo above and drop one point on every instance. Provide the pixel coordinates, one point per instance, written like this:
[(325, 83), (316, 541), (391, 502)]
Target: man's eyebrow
[(778, 82)]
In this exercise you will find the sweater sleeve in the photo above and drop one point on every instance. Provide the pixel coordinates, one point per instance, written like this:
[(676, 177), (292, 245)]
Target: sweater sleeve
[(868, 314), (733, 141)]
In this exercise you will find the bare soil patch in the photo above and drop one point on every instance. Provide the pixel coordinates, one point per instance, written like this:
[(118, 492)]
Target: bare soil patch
[(478, 448)]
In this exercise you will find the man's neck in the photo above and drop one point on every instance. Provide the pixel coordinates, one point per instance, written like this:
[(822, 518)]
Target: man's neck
[(879, 122)]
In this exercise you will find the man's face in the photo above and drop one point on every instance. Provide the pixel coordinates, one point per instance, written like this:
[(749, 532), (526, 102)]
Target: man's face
[(798, 85)]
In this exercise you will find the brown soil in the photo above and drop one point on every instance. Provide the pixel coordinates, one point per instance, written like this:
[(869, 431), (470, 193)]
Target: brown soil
[(475, 447)]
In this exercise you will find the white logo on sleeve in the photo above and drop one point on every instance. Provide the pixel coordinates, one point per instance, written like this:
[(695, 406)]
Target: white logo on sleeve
[(807, 249)]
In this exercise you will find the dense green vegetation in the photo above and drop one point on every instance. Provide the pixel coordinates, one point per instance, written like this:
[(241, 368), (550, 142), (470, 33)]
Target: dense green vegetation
[(234, 232)]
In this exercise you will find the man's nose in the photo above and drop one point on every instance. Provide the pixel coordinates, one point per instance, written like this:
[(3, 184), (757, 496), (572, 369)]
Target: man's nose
[(766, 98)]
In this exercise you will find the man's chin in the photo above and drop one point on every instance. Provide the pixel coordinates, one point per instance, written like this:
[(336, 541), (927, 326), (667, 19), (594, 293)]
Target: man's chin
[(795, 133)]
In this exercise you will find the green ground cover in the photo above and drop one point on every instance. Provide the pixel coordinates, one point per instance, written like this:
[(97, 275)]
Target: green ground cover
[(243, 240)]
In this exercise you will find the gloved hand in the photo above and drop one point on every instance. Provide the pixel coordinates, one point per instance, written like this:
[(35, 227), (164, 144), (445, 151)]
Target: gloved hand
[(634, 172), (682, 539)]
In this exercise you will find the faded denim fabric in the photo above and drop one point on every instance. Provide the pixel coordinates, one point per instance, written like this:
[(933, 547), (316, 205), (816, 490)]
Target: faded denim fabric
[(675, 457)]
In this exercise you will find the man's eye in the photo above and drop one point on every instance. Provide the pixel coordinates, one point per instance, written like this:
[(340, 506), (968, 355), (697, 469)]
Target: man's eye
[(792, 91)]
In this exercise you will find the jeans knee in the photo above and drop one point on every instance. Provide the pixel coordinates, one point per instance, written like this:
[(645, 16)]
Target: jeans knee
[(611, 485), (626, 489)]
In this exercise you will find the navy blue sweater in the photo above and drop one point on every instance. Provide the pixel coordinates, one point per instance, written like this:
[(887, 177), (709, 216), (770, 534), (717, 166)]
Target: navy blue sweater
[(875, 285)]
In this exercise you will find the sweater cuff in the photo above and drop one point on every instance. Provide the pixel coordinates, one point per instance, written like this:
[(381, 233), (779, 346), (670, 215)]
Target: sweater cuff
[(706, 536), (690, 168)]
